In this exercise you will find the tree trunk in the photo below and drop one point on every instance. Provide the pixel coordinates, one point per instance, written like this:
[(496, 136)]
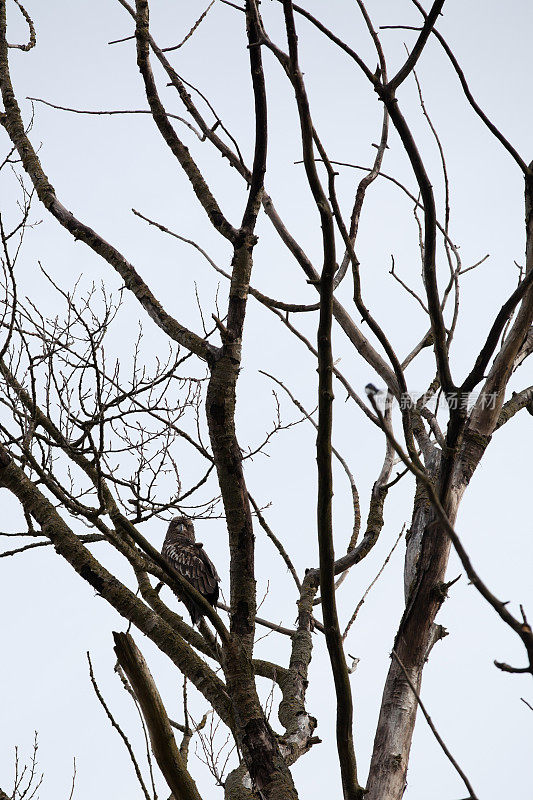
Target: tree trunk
[(425, 570)]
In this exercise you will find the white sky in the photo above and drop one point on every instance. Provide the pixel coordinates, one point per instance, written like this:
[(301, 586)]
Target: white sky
[(101, 167)]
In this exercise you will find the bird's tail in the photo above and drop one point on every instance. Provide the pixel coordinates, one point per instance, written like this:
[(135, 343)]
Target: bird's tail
[(194, 611)]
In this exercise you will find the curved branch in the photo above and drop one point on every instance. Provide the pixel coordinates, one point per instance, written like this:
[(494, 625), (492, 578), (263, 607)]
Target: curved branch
[(269, 302), (32, 41), (430, 226), (484, 415), (522, 629), (117, 727), (460, 74), (355, 494), (200, 187), (371, 585)]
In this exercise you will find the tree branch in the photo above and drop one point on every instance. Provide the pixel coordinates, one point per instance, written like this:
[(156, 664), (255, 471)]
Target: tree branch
[(460, 74), (168, 133), (416, 52), (164, 745), (118, 729), (12, 122), (345, 747), (124, 601)]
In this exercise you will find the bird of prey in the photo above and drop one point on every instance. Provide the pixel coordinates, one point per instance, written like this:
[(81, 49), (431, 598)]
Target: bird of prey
[(188, 557)]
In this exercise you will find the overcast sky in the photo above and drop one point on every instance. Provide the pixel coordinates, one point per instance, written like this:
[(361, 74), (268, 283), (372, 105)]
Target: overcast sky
[(101, 168)]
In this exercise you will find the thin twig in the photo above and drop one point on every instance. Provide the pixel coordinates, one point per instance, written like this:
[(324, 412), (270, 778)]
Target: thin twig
[(192, 30), (117, 727), (265, 622), (115, 111), (270, 302), (94, 537), (362, 600), (274, 539), (124, 39), (406, 287), (472, 794), (353, 487), (73, 780)]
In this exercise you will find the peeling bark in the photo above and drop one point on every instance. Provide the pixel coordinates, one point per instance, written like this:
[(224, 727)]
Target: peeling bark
[(427, 556)]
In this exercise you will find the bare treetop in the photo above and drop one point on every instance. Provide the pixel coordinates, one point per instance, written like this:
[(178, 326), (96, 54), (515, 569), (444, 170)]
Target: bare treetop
[(107, 437)]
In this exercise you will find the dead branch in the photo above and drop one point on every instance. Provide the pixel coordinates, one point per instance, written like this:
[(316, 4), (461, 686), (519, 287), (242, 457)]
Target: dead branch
[(32, 41), (368, 590), (164, 745), (192, 30), (274, 539), (112, 112), (119, 730)]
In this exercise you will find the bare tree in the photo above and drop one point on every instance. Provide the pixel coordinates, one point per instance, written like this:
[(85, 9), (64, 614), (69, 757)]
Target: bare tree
[(90, 445)]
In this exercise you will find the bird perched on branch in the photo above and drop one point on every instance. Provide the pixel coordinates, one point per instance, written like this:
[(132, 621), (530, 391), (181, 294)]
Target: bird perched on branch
[(372, 391), (188, 557)]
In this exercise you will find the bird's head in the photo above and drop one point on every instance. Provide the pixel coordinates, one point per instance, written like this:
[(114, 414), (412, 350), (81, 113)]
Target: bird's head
[(181, 526)]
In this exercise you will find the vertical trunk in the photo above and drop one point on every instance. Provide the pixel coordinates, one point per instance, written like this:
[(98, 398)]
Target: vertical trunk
[(395, 728), (426, 563), (268, 772), (267, 769), (220, 405)]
